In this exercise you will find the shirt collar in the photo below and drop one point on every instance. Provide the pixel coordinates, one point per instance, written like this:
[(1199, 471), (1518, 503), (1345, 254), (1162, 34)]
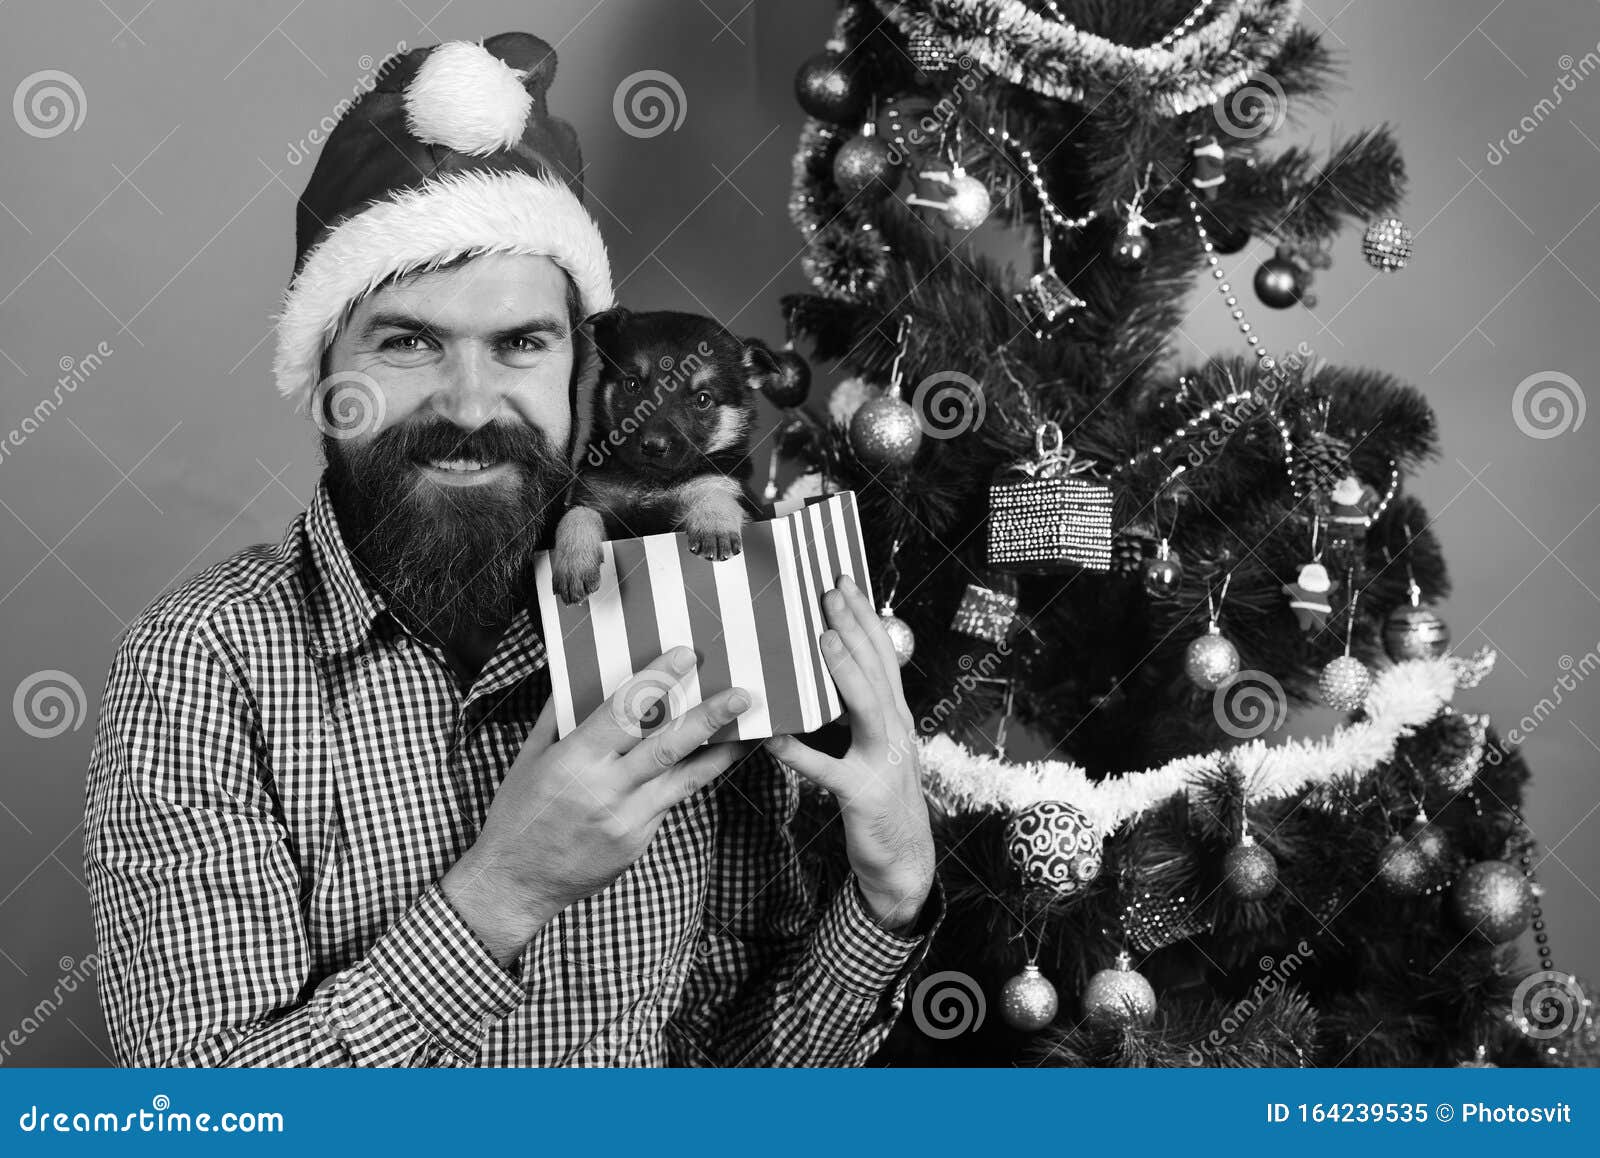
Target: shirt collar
[(346, 608)]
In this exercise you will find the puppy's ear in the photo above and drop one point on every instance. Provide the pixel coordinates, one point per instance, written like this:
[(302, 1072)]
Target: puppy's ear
[(605, 322), (761, 364)]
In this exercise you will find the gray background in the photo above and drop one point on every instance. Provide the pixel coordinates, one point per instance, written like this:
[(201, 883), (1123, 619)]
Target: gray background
[(162, 227)]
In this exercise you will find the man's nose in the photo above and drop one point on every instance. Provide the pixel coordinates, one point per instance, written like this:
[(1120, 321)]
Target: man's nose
[(467, 395), (653, 445)]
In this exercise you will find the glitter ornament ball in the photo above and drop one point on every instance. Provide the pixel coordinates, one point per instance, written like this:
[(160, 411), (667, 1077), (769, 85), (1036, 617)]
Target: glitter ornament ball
[(1163, 574), (1028, 1001), (1211, 660), (1415, 633), (885, 433), (1402, 869), (1249, 871), (829, 89), (1278, 283), (1478, 1061), (1492, 900), (1053, 844), (967, 202), (793, 382), (1432, 842), (1344, 683), (1119, 997), (1387, 244), (900, 635), (864, 168)]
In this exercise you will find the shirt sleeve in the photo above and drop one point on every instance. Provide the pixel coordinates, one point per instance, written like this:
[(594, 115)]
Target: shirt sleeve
[(781, 980), (203, 953)]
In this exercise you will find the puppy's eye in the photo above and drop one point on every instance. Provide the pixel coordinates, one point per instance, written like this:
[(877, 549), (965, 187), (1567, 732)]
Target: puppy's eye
[(703, 400), (630, 383)]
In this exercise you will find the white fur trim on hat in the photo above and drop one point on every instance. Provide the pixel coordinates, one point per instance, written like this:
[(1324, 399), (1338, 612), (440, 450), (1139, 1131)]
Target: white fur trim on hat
[(466, 98), (473, 212)]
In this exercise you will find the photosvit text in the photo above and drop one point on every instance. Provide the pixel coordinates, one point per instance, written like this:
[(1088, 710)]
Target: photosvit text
[(1374, 1113)]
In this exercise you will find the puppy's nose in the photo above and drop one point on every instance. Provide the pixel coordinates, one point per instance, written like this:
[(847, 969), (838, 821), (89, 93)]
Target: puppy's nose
[(653, 445)]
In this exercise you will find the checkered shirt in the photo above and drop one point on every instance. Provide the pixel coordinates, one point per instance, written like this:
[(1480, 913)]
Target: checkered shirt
[(281, 774)]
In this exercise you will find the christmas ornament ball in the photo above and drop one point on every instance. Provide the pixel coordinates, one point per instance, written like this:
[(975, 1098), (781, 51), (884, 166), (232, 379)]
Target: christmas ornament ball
[(828, 88), (1211, 660), (900, 635), (1402, 869), (1055, 845), (1478, 1061), (1492, 899), (793, 382), (1249, 871), (1028, 1001), (1431, 841), (1119, 997), (885, 432), (1344, 683), (1278, 283), (1163, 574), (1387, 244), (1415, 633), (1129, 249), (865, 168), (967, 202)]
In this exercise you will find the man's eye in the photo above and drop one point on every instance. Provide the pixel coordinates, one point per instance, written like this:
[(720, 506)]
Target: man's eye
[(526, 344), (407, 342), (703, 400)]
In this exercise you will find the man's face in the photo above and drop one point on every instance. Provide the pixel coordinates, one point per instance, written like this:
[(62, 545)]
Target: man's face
[(444, 501)]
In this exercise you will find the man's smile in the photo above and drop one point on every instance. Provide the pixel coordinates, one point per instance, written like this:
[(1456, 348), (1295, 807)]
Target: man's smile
[(466, 472)]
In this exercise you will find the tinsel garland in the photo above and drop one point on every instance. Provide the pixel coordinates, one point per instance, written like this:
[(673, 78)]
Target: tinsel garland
[(1062, 61), (1402, 699)]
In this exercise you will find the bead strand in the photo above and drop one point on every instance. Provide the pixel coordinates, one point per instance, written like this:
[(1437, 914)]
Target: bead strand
[(1225, 288), (1046, 205)]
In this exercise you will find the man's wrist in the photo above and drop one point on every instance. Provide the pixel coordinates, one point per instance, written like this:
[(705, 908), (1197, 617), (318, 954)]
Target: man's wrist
[(498, 915), (894, 910)]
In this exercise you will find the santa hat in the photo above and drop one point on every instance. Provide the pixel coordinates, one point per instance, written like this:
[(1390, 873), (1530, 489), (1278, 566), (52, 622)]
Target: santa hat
[(452, 153)]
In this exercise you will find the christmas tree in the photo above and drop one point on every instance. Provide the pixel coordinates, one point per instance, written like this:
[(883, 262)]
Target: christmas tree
[(1112, 575)]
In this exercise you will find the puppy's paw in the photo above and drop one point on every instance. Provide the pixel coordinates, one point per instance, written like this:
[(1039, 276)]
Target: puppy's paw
[(576, 579), (711, 543), (576, 558)]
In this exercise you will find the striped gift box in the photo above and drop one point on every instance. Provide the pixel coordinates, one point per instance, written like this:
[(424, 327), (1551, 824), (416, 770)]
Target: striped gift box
[(754, 620)]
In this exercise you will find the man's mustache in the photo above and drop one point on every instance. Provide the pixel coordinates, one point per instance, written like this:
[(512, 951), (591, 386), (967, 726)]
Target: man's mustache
[(442, 440)]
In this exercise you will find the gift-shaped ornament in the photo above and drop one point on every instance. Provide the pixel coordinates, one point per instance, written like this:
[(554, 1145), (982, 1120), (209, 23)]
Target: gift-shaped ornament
[(988, 609), (1049, 514)]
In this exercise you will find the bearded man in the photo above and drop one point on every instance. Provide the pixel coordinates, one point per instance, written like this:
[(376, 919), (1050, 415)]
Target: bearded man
[(328, 820)]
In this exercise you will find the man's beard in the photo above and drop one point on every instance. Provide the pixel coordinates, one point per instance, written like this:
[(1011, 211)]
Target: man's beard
[(446, 558)]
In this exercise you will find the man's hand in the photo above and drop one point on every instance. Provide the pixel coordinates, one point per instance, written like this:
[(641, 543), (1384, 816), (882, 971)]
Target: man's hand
[(877, 781), (570, 817)]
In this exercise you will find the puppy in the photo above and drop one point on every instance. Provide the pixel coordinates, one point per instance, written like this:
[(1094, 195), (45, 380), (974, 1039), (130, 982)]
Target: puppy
[(670, 445)]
